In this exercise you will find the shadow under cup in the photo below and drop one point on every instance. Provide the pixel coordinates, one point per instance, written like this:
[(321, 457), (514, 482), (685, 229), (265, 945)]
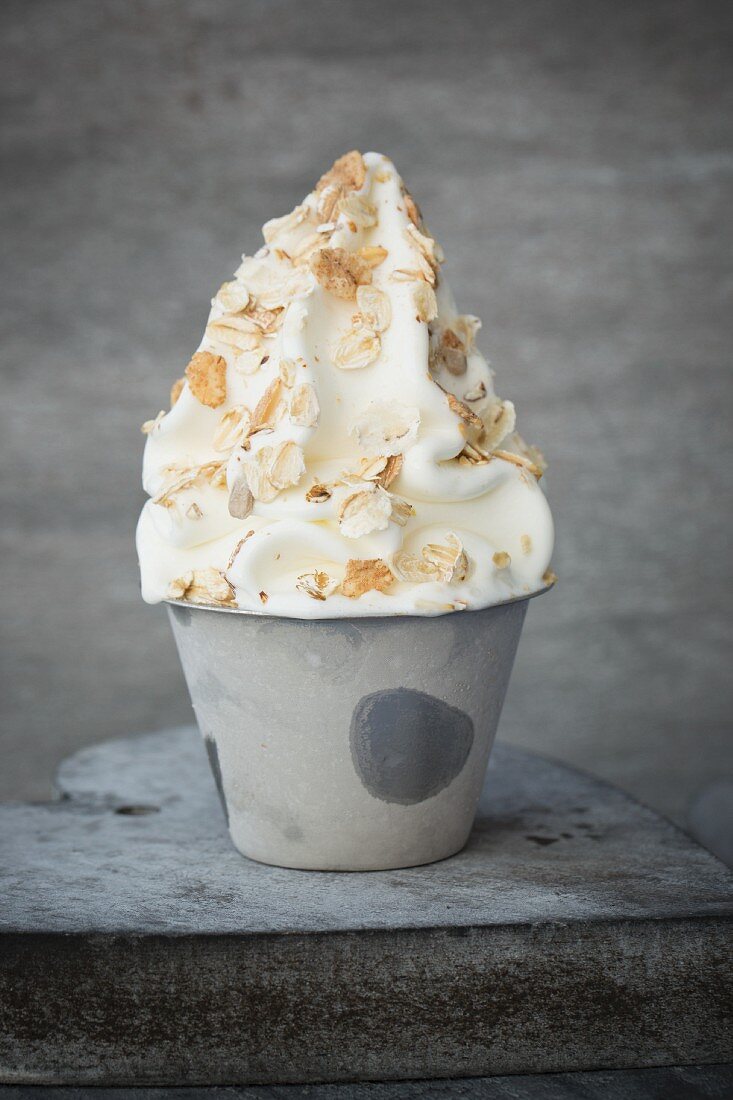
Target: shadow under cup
[(348, 744)]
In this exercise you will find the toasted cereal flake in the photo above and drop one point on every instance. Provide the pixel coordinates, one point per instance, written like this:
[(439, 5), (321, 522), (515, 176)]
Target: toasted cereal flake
[(517, 445), (349, 171), (304, 407), (357, 348), (194, 512), (520, 460), (288, 465), (249, 362), (358, 211), (426, 304), (466, 326), (287, 370), (237, 548), (371, 468), (233, 297), (340, 272), (257, 471), (318, 585), (364, 512), (150, 425), (499, 420), (207, 377), (232, 428), (274, 228), (177, 389), (241, 500), (413, 210), (424, 244), (471, 455), (365, 575), (268, 408), (206, 586), (501, 559), (549, 577), (178, 588), (416, 570), (238, 331), (263, 597), (386, 428), (391, 471), (373, 255), (476, 393), (449, 558), (401, 510), (306, 249), (318, 493), (525, 542), (328, 201), (450, 353), (374, 307), (462, 410), (179, 478)]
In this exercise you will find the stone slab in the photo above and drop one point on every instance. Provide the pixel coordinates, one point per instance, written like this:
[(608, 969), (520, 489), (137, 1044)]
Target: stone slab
[(577, 930)]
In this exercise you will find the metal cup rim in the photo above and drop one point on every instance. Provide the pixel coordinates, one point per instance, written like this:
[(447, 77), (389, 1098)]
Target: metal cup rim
[(354, 618)]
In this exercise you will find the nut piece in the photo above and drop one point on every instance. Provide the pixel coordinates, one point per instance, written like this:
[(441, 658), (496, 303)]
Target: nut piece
[(177, 389), (304, 407), (207, 377), (241, 501), (374, 308), (526, 543), (349, 172), (365, 575), (501, 559), (364, 512), (340, 272)]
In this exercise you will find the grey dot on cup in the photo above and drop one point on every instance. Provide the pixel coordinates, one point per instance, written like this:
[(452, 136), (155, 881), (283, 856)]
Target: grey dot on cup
[(407, 745), (213, 754)]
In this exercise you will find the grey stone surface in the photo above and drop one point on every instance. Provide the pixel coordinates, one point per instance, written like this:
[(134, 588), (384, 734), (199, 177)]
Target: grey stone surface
[(577, 930), (668, 1083), (575, 160)]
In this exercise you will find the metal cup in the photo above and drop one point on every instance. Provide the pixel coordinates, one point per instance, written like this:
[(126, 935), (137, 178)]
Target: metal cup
[(348, 744)]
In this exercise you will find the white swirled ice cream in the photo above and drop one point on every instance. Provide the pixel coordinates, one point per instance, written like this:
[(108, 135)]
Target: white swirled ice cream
[(336, 446)]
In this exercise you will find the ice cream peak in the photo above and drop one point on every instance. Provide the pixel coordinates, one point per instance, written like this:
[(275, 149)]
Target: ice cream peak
[(336, 447)]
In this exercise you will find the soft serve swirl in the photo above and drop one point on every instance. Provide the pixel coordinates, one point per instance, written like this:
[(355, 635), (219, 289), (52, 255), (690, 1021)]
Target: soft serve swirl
[(336, 447)]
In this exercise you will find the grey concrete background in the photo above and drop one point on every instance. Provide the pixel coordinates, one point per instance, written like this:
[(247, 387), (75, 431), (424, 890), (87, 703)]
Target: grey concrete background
[(574, 158)]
